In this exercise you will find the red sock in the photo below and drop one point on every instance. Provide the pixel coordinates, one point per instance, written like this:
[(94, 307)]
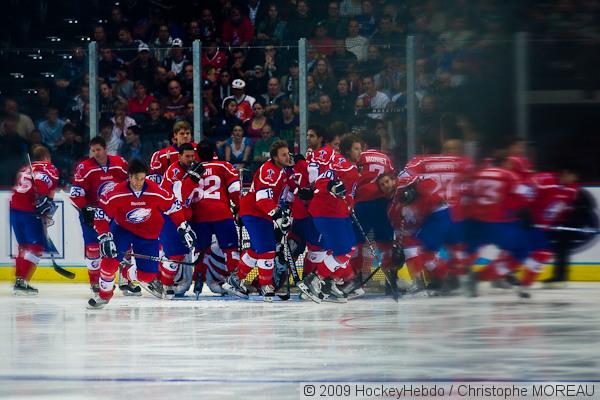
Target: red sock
[(246, 264), (27, 259), (232, 259), (265, 263)]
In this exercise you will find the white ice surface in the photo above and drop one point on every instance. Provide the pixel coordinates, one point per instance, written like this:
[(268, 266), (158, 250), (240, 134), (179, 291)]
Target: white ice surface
[(53, 347)]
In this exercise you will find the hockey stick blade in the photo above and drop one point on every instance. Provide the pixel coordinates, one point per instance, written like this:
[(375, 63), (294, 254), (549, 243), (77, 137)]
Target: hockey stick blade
[(157, 259), (61, 271)]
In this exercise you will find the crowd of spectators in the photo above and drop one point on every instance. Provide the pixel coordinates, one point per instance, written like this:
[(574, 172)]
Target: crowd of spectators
[(250, 81)]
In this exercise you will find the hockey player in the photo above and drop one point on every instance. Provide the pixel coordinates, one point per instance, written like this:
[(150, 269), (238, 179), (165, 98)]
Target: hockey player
[(92, 178), (420, 217), (163, 158), (211, 212), (371, 204), (172, 182), (131, 218), (31, 208), (335, 186), (262, 206), (497, 198)]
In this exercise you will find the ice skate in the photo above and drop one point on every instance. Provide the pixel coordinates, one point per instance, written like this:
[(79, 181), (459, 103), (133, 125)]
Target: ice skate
[(331, 293), (353, 289), (235, 287), (95, 288), (501, 284), (168, 292), (130, 290), (198, 285), (23, 288), (155, 288), (311, 287), (267, 292), (523, 292), (96, 303), (468, 282)]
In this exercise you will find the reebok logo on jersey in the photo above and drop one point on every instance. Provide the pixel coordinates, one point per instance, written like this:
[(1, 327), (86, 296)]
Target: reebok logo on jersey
[(138, 215)]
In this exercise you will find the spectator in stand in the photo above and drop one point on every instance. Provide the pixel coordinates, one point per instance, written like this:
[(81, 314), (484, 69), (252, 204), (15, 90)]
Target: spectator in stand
[(371, 99), (324, 76), (142, 67), (13, 148), (271, 29), (99, 36), (160, 83), (256, 11), (237, 29), (209, 32), (157, 127), (162, 44), (70, 150), (374, 63), (244, 102), (187, 81), (173, 105), (176, 60), (350, 8), (355, 42), (256, 83), (107, 100), (139, 103), (391, 79), (115, 22), (323, 44), (213, 57), (386, 35), (324, 115), (134, 147), (290, 83), (458, 35), (366, 19), (51, 128), (272, 63), (209, 106), (23, 123), (240, 64), (343, 102), (312, 94), (194, 31), (341, 58), (40, 103), (128, 47), (238, 149), (74, 112), (108, 65), (263, 145), (70, 74), (302, 25), (223, 88), (337, 26), (121, 123), (124, 86), (188, 114), (285, 124), (255, 124), (225, 123), (106, 132), (273, 97)]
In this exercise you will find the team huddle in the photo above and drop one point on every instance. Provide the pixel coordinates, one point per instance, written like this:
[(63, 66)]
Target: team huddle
[(178, 225)]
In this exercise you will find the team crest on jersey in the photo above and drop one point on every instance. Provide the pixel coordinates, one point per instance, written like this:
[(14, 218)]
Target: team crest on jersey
[(105, 188), (138, 215), (175, 173), (270, 173), (322, 153)]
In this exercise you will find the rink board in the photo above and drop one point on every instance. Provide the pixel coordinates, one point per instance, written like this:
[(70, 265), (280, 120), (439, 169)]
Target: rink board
[(66, 236)]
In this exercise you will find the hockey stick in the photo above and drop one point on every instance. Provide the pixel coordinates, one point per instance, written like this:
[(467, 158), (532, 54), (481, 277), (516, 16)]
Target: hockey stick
[(568, 229), (157, 259), (394, 290), (51, 247), (292, 268)]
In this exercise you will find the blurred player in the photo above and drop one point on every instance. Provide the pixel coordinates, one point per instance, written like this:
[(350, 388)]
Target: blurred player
[(31, 208), (131, 219), (260, 208), (92, 178)]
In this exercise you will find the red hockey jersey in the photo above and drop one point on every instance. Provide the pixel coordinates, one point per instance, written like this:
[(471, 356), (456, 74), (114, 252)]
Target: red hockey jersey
[(91, 180), (553, 200), (372, 163), (269, 188), (162, 159), (29, 188), (139, 213), (324, 204)]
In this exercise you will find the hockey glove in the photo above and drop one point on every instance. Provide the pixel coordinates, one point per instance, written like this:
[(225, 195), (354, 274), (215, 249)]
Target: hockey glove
[(108, 248), (195, 172), (44, 206), (408, 195), (336, 188), (187, 235), (282, 219), (87, 214), (305, 194)]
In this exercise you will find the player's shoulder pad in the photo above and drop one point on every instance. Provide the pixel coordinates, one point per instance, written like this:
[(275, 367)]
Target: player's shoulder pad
[(269, 174)]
